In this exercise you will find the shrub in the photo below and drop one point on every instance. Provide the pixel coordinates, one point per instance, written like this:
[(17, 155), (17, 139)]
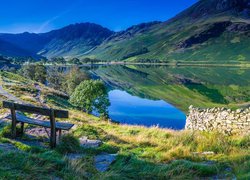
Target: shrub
[(91, 95), (73, 78)]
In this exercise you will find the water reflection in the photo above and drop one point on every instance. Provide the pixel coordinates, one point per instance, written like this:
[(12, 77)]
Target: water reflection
[(129, 109)]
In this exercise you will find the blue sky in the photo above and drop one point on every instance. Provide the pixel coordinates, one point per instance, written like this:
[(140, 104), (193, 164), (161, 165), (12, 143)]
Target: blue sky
[(45, 15)]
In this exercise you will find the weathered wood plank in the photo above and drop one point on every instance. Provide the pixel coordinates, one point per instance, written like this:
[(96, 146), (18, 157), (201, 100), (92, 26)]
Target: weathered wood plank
[(28, 120), (14, 120), (36, 110), (22, 128), (53, 129)]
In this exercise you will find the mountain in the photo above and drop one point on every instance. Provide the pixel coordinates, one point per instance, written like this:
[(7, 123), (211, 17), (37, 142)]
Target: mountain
[(9, 49), (210, 30), (72, 40)]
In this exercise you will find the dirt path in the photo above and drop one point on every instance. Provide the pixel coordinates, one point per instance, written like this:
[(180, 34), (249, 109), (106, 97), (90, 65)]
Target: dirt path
[(9, 96), (38, 95)]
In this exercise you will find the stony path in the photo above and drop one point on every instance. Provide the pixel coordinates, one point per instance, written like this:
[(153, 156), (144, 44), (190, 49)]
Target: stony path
[(103, 161), (9, 96), (38, 95)]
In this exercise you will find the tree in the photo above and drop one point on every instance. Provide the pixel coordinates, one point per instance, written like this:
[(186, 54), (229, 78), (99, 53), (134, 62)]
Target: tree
[(91, 95), (58, 60), (55, 78), (73, 78), (28, 71), (40, 73), (35, 72), (75, 61)]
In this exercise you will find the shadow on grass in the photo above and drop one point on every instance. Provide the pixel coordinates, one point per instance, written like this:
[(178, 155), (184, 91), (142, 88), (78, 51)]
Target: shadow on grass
[(131, 167)]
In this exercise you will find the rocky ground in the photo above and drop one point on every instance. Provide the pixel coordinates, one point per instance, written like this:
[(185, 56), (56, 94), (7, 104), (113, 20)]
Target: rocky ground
[(39, 136)]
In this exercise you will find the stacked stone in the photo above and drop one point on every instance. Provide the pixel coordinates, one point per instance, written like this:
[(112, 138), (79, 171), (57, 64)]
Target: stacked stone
[(219, 119)]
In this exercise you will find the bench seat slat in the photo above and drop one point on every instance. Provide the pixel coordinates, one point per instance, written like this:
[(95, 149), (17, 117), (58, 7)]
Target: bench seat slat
[(28, 120), (36, 110)]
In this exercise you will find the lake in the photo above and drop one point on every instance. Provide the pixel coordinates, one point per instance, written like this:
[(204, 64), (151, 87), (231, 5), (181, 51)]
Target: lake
[(160, 95), (128, 109)]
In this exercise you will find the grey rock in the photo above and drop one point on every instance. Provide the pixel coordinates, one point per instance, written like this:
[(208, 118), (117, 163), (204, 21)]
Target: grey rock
[(102, 162), (87, 143)]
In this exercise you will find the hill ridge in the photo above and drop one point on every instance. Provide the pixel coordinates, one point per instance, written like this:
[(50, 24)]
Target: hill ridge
[(197, 33)]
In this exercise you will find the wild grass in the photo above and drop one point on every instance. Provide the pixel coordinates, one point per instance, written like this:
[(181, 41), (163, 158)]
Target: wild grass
[(143, 153), (68, 144), (152, 152)]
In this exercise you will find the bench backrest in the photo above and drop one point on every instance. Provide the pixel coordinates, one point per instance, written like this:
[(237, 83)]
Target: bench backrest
[(36, 110)]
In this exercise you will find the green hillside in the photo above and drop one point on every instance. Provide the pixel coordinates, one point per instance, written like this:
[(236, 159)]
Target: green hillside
[(142, 153), (210, 30), (202, 33)]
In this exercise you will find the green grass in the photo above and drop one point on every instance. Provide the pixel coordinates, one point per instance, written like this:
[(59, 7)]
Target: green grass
[(154, 152), (148, 153), (143, 153), (162, 42)]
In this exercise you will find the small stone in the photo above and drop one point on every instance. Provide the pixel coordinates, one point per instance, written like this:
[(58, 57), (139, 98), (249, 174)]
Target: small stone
[(87, 143), (239, 110), (191, 107), (208, 153)]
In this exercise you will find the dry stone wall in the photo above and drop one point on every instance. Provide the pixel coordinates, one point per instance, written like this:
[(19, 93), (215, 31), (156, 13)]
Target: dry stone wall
[(219, 119)]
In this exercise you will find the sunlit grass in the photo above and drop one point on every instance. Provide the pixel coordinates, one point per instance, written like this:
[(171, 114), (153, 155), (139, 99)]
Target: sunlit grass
[(145, 153)]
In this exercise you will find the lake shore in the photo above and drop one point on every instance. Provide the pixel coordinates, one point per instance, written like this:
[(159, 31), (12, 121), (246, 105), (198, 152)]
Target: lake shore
[(191, 63)]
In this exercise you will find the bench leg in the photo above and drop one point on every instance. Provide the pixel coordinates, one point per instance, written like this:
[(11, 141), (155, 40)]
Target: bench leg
[(53, 138), (22, 128), (14, 121), (52, 129), (59, 134), (13, 129)]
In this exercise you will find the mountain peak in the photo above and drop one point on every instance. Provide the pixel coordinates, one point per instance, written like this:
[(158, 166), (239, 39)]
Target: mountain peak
[(205, 8), (237, 5)]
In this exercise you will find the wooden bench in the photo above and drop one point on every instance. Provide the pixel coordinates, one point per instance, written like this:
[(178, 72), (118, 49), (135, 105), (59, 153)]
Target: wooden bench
[(52, 124)]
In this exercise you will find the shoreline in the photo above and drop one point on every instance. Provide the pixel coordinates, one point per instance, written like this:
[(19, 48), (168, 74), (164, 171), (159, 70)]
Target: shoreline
[(247, 65)]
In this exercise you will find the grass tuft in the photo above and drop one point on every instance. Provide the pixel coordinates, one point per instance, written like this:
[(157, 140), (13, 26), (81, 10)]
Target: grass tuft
[(68, 144)]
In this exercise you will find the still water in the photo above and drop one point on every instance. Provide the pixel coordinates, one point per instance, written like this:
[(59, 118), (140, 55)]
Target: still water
[(128, 109), (159, 95)]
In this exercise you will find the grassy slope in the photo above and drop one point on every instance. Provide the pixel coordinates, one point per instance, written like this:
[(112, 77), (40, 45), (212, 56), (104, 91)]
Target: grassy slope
[(162, 39), (144, 153)]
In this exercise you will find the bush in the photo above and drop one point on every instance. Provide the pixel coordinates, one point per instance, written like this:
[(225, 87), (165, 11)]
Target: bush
[(91, 95), (73, 78), (35, 72), (68, 144)]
